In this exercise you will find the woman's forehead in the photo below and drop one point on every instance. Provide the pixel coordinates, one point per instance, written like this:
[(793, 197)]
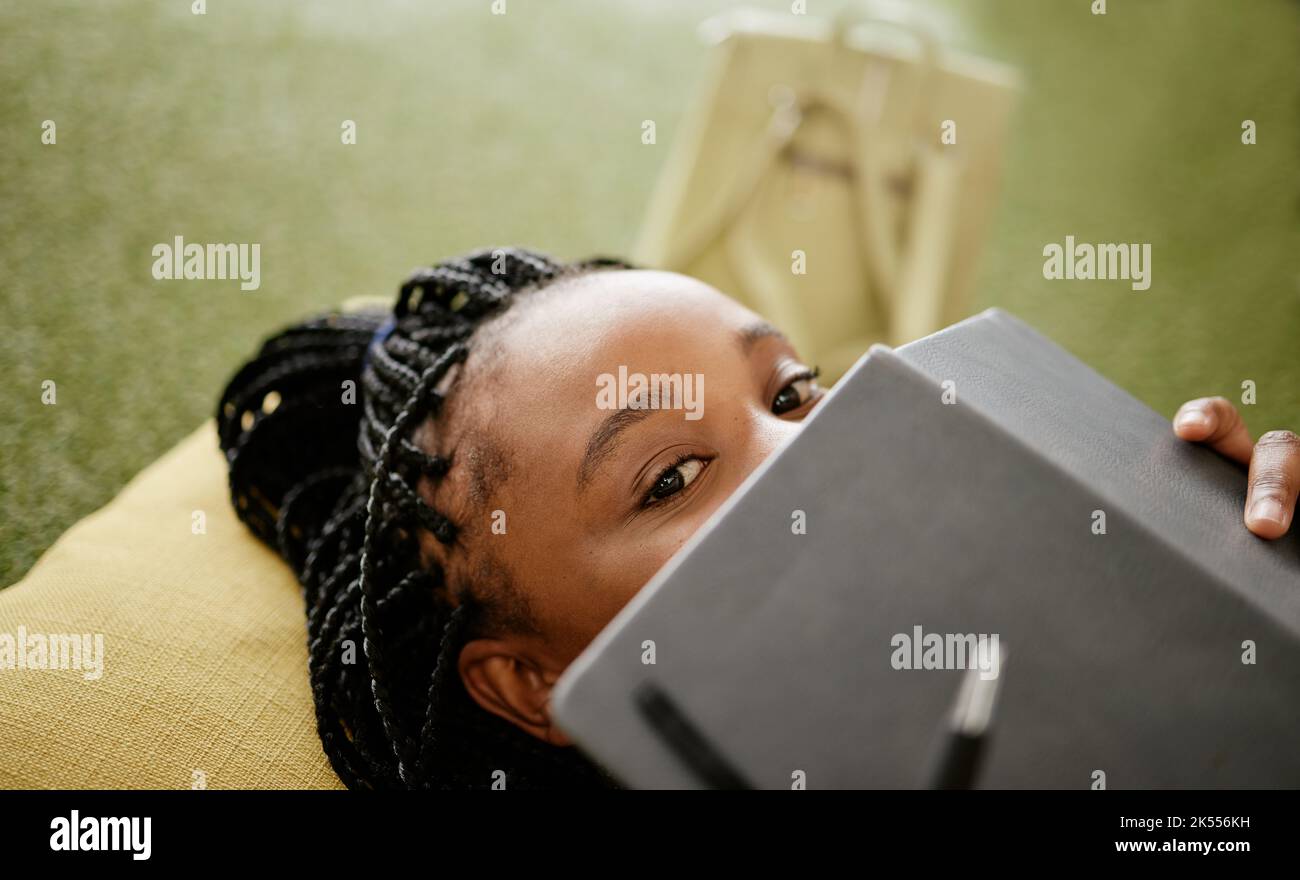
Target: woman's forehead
[(623, 311), (538, 373)]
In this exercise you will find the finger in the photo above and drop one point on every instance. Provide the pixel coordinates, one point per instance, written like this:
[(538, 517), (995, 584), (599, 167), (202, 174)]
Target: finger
[(1215, 422), (1273, 483)]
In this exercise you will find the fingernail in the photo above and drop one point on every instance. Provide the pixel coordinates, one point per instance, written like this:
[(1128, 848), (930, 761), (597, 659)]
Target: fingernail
[(1192, 418), (1268, 510)]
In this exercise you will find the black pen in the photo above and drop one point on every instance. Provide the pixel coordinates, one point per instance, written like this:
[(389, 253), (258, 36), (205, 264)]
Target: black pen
[(967, 735)]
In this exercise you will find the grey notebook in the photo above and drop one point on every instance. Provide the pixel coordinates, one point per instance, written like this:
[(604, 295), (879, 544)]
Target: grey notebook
[(952, 489)]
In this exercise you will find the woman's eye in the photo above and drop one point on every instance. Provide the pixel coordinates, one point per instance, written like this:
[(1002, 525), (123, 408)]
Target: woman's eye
[(675, 479), (796, 394)]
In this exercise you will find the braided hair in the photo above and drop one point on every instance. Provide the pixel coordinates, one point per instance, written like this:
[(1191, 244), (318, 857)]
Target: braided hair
[(329, 480)]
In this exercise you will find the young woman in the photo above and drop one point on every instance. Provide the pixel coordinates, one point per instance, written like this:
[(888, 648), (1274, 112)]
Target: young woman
[(464, 518)]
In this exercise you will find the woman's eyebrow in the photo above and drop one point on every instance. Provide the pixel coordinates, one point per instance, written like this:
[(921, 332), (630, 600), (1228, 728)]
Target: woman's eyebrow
[(605, 439), (749, 335)]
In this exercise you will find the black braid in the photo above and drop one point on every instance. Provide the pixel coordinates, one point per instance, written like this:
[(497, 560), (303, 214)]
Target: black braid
[(331, 483)]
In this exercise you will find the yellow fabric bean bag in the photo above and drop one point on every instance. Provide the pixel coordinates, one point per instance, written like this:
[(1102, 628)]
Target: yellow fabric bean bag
[(204, 676)]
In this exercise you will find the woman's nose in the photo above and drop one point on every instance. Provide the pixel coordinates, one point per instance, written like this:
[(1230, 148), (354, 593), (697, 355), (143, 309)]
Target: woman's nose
[(772, 433)]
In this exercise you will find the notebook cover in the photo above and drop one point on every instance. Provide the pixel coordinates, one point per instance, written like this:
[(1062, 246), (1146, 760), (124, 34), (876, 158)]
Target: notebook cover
[(1124, 649)]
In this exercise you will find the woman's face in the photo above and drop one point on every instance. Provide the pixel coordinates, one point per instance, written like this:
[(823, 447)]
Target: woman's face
[(566, 506)]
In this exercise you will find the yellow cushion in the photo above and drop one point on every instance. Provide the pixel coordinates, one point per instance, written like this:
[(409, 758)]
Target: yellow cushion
[(204, 648)]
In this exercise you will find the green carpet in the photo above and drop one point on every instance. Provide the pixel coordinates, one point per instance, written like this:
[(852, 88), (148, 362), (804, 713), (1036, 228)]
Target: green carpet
[(476, 129)]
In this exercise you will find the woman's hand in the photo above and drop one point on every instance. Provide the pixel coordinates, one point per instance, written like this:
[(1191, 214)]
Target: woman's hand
[(1274, 461)]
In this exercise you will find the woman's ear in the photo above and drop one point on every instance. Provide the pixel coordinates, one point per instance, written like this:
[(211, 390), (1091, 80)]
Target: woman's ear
[(507, 679)]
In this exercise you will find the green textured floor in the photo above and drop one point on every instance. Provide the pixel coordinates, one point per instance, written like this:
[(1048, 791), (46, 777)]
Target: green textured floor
[(524, 128)]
